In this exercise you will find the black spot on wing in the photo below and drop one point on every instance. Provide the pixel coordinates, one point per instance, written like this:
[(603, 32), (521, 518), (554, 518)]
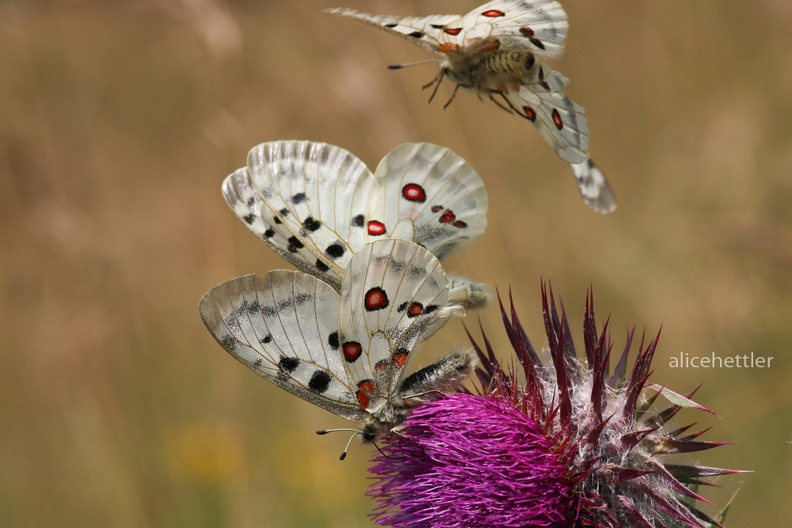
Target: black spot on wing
[(288, 364), (417, 34), (294, 244), (320, 381), (310, 224), (332, 340), (359, 221), (335, 251), (266, 339), (321, 266), (298, 198), (249, 218)]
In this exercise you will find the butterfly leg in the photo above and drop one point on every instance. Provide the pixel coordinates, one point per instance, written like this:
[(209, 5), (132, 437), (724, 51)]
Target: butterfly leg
[(508, 109), (436, 81), (453, 96)]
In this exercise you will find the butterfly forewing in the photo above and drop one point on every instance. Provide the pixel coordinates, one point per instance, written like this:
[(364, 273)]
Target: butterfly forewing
[(393, 296), (283, 326), (423, 31), (428, 195), (249, 206), (317, 192)]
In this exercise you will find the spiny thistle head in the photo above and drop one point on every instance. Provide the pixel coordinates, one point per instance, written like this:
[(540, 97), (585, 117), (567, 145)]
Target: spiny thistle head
[(568, 444)]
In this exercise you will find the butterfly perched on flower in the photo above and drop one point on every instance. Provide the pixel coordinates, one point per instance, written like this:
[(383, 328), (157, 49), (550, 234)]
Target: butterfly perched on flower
[(499, 50), (317, 205), (346, 352)]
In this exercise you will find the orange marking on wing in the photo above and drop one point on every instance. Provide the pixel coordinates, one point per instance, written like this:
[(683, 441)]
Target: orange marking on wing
[(447, 48)]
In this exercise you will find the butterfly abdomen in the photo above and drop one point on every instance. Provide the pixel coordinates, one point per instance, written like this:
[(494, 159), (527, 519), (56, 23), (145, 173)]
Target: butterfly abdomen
[(486, 67)]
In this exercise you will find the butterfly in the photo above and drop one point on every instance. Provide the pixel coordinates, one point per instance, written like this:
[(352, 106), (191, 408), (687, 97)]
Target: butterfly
[(317, 205), (346, 353), (499, 50)]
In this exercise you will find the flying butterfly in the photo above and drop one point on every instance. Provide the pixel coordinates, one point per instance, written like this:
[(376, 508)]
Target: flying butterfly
[(499, 50), (345, 353), (317, 205)]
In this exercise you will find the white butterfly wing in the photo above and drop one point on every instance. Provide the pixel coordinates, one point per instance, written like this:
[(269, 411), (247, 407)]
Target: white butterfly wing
[(283, 326), (594, 187), (428, 195), (422, 31), (538, 25), (393, 296), (560, 121), (317, 193), (250, 207)]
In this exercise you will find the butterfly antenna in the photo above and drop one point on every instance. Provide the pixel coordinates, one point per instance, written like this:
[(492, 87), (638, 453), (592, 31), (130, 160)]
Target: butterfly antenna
[(346, 449), (408, 64)]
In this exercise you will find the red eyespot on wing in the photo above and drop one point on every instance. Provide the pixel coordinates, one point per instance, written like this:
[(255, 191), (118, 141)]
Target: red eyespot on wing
[(493, 13), (351, 351), (437, 208), (557, 120), (365, 389), (381, 365), (447, 217), (400, 358), (460, 224), (452, 31), (414, 193), (376, 299), (415, 309), (527, 32), (530, 113), (376, 228)]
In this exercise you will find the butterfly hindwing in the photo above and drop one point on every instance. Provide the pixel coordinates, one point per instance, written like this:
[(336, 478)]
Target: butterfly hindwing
[(594, 187), (283, 326), (428, 195), (560, 121), (393, 296)]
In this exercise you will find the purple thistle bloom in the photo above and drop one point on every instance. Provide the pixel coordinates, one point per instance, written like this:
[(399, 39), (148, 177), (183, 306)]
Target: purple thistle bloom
[(567, 445)]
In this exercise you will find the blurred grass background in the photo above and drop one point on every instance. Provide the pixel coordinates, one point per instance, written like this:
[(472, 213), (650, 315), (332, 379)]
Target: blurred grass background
[(119, 121)]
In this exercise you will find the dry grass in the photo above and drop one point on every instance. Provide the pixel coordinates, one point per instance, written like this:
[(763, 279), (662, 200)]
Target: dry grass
[(119, 120)]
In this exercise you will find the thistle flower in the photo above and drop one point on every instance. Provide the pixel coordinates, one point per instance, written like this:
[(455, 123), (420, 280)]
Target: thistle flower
[(570, 444)]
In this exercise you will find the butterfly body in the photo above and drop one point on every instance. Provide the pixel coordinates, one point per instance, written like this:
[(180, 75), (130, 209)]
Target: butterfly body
[(500, 50), (483, 67)]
